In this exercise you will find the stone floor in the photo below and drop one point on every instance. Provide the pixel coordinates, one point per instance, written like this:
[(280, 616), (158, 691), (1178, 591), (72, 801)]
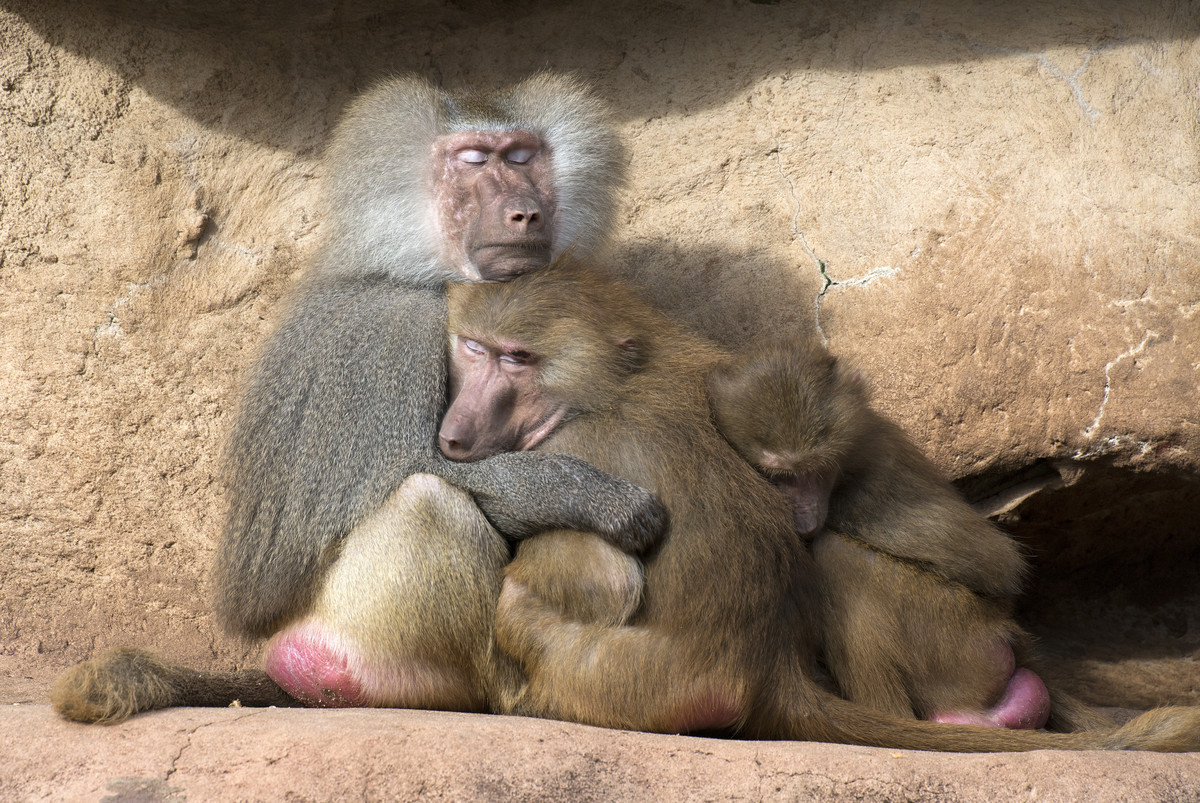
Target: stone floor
[(277, 754)]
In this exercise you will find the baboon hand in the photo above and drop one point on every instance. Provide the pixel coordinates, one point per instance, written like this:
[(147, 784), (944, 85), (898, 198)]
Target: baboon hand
[(638, 521)]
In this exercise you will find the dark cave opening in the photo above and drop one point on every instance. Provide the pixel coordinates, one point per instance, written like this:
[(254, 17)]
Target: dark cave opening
[(1114, 591)]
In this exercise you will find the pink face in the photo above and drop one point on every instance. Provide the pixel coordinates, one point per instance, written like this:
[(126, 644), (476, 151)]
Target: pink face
[(495, 404), (495, 202), (808, 491)]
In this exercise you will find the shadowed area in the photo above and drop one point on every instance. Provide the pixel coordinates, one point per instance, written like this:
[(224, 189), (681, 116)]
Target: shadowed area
[(301, 51)]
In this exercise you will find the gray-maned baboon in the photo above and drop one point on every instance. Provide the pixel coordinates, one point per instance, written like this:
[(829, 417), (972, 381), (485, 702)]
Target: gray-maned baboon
[(724, 635), (914, 636), (349, 536)]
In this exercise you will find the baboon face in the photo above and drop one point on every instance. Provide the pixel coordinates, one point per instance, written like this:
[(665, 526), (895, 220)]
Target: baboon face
[(495, 204), (496, 403)]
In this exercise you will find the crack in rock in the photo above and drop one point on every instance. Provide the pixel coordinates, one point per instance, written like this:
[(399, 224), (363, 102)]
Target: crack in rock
[(827, 281), (1149, 338), (1072, 80), (796, 232), (188, 734), (861, 281)]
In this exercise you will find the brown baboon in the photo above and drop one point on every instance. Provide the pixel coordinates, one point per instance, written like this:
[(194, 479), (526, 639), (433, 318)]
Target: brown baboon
[(724, 636), (348, 537), (906, 631)]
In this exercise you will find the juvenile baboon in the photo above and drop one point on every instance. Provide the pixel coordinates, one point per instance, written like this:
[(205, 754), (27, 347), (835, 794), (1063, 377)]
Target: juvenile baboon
[(724, 636), (916, 636), (349, 537)]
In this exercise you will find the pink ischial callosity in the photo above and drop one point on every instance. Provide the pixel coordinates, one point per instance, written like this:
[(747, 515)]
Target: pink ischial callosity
[(1025, 704), (319, 668), (311, 669)]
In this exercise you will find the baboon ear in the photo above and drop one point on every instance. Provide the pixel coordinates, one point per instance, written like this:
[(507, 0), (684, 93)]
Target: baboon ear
[(633, 353)]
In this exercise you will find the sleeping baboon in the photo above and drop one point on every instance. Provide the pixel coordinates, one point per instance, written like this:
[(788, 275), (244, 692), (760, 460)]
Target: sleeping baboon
[(349, 537), (913, 636), (724, 636)]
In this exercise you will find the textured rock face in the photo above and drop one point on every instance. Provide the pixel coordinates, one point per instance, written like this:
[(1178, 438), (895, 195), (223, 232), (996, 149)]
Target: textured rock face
[(239, 754), (992, 211)]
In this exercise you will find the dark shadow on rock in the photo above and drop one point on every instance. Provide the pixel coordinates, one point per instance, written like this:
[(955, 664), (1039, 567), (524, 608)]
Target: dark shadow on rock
[(729, 298), (1114, 594), (278, 72)]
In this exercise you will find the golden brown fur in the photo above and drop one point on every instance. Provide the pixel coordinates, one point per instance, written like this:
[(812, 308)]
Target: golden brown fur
[(911, 628), (726, 635)]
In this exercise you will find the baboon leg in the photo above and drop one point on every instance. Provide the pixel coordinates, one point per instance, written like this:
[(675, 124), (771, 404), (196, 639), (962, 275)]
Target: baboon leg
[(581, 575), (861, 677), (911, 643), (405, 615), (580, 671)]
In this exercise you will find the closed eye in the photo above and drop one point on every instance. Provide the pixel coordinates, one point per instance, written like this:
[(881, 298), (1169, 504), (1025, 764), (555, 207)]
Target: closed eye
[(516, 357), (520, 155)]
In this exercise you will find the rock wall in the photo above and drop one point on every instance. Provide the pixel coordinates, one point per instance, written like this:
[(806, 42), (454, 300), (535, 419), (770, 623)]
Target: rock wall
[(991, 210)]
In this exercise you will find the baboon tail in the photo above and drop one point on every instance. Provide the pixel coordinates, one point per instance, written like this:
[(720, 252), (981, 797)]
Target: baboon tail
[(126, 681), (1166, 730), (812, 714), (1069, 714), (1171, 729)]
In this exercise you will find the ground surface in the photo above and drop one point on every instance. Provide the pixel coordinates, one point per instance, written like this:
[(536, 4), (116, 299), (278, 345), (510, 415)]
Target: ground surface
[(275, 754)]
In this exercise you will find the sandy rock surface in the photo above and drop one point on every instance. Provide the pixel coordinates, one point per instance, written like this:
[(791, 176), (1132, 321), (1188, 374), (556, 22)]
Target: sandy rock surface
[(991, 210), (274, 754)]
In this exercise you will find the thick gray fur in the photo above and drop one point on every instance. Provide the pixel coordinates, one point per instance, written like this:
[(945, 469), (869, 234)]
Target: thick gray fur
[(345, 401)]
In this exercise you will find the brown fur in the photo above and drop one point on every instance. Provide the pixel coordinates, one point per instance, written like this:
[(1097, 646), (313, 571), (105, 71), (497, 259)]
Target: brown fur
[(725, 637), (907, 630)]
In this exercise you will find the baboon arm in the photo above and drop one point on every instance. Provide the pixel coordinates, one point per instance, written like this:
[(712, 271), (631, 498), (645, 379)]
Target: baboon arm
[(939, 532), (902, 506), (524, 493), (334, 417)]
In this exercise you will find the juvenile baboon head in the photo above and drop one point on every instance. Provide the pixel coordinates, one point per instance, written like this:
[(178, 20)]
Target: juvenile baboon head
[(792, 411), (526, 356)]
